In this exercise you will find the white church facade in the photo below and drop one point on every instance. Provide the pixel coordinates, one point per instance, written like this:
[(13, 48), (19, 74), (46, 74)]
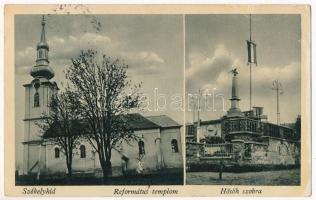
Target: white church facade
[(158, 147)]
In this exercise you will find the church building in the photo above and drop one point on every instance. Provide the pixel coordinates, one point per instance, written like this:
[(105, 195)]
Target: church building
[(158, 147)]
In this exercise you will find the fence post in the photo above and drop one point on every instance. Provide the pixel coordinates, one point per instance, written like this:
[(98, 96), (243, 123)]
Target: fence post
[(220, 169)]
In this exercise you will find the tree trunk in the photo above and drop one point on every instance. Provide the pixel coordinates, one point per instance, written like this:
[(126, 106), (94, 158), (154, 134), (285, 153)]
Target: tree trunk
[(69, 167), (106, 169), (69, 164), (108, 165)]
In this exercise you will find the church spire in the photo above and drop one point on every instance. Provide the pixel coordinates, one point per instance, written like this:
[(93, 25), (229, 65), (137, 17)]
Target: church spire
[(42, 69), (43, 38)]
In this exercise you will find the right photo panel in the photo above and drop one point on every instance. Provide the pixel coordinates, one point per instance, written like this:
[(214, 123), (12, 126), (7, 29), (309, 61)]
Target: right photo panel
[(243, 89)]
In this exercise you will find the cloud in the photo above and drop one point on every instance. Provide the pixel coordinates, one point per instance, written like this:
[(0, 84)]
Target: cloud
[(144, 62), (150, 57), (26, 56), (203, 71), (23, 70), (63, 49), (207, 73), (212, 73)]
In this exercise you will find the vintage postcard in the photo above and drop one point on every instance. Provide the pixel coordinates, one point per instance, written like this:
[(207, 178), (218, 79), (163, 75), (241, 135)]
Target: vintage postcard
[(157, 100)]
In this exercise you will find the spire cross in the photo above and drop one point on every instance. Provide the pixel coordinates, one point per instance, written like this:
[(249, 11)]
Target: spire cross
[(43, 20)]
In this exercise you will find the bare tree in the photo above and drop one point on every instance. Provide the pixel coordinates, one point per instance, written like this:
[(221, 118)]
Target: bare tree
[(106, 96), (62, 124)]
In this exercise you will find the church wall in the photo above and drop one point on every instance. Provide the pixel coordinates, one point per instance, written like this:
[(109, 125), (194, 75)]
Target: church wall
[(151, 158), (32, 157), (171, 159), (91, 162), (33, 132)]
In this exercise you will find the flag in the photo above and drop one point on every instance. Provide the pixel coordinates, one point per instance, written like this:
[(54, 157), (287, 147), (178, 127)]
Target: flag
[(251, 47)]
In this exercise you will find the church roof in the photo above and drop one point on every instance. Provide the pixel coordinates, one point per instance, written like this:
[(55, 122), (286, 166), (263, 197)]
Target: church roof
[(138, 122), (163, 121), (134, 122)]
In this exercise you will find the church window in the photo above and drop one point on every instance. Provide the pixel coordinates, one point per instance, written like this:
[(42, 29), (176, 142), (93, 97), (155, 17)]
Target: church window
[(57, 152), (174, 146), (82, 151), (36, 99), (141, 148)]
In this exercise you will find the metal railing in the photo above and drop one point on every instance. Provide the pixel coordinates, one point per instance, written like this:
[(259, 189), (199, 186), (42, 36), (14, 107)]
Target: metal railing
[(242, 124), (231, 126)]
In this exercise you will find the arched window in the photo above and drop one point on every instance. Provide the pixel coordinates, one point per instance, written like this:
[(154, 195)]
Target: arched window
[(174, 146), (57, 152), (82, 151), (36, 99), (141, 148)]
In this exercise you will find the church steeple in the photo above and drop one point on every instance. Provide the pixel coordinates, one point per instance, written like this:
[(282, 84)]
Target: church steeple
[(42, 68)]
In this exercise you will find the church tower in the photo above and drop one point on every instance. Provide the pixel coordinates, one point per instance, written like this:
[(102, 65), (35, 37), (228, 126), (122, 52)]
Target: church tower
[(37, 96)]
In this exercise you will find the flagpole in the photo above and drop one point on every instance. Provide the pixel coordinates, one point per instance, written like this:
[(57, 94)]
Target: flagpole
[(250, 103), (250, 86)]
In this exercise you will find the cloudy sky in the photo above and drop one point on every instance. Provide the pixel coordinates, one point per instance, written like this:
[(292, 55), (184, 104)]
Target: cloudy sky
[(152, 45), (215, 43)]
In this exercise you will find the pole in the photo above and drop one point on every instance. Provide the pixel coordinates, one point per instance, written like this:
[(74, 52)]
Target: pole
[(250, 26), (220, 169), (278, 108), (198, 118), (193, 111), (199, 107), (278, 88), (250, 88)]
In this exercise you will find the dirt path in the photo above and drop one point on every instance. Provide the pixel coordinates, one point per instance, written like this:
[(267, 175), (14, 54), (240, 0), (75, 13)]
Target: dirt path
[(282, 177)]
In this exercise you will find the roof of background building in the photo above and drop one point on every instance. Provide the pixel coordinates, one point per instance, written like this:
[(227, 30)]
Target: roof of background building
[(215, 121), (290, 125), (207, 122), (163, 121)]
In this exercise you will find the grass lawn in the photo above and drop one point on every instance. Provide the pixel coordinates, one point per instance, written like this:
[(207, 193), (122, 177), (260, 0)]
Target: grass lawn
[(159, 178), (277, 177)]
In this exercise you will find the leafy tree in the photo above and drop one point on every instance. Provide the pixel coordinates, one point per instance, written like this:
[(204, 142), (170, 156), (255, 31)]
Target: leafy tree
[(62, 124), (106, 96)]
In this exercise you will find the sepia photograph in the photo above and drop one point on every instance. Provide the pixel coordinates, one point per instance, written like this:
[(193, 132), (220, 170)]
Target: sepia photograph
[(157, 100), (92, 96), (243, 123)]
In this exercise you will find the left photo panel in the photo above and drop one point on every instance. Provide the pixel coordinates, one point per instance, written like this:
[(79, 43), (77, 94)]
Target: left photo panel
[(99, 99)]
